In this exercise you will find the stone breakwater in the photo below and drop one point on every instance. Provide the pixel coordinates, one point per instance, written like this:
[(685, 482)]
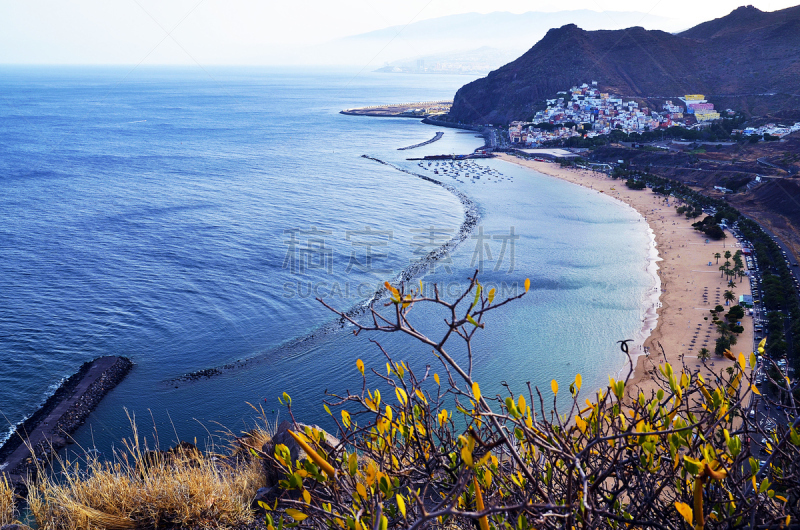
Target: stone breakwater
[(471, 219), (438, 136), (48, 430)]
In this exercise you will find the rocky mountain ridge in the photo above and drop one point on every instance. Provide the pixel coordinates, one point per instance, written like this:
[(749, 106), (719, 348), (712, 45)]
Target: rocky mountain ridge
[(749, 60)]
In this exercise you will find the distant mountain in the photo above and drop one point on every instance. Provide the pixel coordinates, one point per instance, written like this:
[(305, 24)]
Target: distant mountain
[(737, 58), (509, 32), (480, 61)]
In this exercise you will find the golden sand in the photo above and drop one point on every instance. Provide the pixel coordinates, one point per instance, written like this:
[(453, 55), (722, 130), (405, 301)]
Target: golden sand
[(689, 286)]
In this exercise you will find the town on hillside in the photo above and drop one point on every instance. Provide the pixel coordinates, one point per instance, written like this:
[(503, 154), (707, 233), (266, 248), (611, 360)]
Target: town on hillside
[(585, 111)]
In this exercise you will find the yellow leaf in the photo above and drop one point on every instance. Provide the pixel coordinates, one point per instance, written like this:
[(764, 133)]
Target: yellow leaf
[(742, 362), (491, 295), (402, 397), (360, 366), (436, 378), (321, 462), (476, 391), (346, 418), (401, 505), (580, 423), (685, 510), (578, 381), (483, 522), (466, 455), (755, 390), (361, 490), (393, 290), (306, 497), (729, 355), (527, 284), (473, 322), (554, 386), (296, 514), (407, 300)]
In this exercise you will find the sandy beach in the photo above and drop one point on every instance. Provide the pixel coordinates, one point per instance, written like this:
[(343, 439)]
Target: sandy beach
[(674, 328)]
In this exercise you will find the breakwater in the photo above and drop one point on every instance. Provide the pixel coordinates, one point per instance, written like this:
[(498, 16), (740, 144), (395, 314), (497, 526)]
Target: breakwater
[(438, 136), (471, 219), (49, 428)]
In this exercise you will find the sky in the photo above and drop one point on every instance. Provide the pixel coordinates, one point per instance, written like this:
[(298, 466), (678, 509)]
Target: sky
[(212, 32)]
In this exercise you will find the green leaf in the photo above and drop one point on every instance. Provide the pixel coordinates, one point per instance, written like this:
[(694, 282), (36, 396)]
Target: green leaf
[(477, 295), (352, 464), (472, 321)]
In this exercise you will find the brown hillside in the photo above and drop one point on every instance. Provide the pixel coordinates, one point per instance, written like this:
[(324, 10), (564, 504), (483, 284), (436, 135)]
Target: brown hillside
[(749, 60)]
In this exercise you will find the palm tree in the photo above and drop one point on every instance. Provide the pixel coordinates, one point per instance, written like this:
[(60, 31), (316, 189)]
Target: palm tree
[(741, 275), (703, 354), (717, 255), (728, 296), (728, 254), (732, 284), (721, 270)]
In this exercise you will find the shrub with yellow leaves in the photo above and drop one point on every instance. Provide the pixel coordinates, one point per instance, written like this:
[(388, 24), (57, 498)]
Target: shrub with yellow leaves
[(444, 452)]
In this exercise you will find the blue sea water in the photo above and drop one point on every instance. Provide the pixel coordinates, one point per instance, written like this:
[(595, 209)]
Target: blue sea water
[(189, 218)]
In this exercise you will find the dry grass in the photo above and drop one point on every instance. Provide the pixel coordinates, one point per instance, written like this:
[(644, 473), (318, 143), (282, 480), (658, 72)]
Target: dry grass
[(185, 490), (256, 437), (6, 502)]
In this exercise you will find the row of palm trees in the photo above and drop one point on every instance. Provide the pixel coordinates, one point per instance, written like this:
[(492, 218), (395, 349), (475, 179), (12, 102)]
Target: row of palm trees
[(726, 270), (727, 331)]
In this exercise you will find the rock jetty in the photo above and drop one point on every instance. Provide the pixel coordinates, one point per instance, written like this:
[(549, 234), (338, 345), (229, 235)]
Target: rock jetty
[(438, 135), (49, 429)]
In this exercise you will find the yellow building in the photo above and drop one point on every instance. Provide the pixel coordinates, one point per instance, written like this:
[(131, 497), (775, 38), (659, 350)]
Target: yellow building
[(706, 115)]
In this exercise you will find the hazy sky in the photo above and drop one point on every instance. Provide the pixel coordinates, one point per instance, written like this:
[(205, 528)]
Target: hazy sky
[(253, 31)]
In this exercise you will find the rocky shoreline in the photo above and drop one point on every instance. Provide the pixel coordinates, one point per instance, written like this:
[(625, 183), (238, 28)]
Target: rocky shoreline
[(48, 429)]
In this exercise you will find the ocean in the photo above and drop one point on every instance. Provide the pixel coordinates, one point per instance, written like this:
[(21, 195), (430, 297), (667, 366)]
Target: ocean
[(189, 218)]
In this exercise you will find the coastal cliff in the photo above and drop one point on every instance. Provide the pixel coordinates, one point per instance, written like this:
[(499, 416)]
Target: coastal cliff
[(749, 57)]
